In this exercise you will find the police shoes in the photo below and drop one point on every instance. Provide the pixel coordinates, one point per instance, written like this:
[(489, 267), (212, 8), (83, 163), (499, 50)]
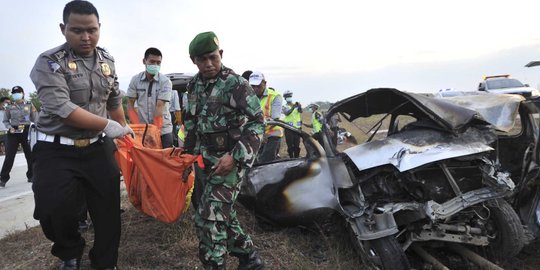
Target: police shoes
[(72, 264), (250, 261), (2, 184)]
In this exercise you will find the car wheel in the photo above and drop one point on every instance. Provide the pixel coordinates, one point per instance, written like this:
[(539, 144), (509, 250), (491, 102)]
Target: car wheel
[(382, 253), (505, 226)]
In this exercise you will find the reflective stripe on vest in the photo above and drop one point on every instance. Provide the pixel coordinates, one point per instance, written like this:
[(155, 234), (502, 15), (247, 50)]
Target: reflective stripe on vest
[(294, 118), (266, 106), (315, 122)]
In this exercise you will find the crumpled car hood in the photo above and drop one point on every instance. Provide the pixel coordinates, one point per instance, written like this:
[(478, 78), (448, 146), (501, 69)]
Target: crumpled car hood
[(462, 126), (414, 148)]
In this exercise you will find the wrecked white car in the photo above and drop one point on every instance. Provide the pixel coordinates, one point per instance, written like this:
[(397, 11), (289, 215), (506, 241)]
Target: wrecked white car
[(430, 174)]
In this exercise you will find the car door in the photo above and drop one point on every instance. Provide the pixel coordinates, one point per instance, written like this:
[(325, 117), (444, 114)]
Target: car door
[(291, 190)]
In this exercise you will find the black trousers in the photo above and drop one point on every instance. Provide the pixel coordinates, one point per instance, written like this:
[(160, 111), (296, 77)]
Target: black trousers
[(293, 143), (12, 144), (167, 140), (318, 136), (65, 178), (269, 149)]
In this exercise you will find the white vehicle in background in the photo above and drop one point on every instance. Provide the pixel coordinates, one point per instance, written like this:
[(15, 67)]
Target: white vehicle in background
[(503, 84), (448, 92)]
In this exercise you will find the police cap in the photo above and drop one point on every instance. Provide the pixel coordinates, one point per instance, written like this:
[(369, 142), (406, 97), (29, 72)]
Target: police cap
[(17, 89), (203, 43), (287, 93)]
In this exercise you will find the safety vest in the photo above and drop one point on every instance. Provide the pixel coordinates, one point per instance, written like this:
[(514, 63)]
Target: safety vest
[(181, 134), (266, 106), (294, 118), (315, 122)]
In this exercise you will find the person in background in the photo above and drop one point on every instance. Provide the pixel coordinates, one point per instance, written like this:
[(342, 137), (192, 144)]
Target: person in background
[(152, 90), (17, 118), (334, 128), (271, 103), (224, 124), (316, 122), (74, 163), (4, 102), (176, 115), (292, 112)]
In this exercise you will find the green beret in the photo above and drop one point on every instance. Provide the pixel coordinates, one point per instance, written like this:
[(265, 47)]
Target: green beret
[(203, 43)]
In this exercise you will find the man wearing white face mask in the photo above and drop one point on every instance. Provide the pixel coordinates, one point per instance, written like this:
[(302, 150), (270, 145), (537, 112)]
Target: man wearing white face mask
[(17, 118), (152, 90)]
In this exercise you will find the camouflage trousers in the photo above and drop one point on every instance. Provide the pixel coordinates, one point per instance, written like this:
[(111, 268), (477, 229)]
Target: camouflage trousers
[(216, 224)]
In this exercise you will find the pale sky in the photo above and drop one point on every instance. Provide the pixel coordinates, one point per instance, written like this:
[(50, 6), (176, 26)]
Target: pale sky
[(320, 50)]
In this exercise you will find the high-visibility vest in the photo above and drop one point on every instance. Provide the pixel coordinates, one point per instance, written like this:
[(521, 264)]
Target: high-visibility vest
[(315, 122), (266, 106), (181, 134), (294, 118)]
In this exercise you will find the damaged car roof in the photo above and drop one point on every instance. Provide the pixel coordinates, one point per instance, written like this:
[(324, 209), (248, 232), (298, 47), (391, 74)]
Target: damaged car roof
[(500, 110), (446, 115), (413, 148)]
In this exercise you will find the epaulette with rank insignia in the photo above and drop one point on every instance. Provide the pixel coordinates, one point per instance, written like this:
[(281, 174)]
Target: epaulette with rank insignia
[(59, 55), (105, 53)]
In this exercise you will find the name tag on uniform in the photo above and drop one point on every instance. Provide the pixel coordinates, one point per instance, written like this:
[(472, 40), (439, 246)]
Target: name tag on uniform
[(74, 76)]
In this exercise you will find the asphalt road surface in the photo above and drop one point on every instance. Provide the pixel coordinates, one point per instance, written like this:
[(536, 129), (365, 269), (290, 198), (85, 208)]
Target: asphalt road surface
[(16, 200)]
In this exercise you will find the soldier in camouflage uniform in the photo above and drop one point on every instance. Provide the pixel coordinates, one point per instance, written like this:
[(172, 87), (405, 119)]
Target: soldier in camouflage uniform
[(225, 124)]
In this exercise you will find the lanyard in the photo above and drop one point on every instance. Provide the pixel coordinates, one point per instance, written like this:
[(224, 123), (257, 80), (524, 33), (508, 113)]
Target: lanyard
[(149, 90)]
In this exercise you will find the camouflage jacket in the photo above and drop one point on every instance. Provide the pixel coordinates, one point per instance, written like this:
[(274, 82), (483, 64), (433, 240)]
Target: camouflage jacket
[(221, 104)]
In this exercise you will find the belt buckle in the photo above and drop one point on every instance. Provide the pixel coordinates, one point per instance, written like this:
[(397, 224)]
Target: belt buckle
[(81, 142)]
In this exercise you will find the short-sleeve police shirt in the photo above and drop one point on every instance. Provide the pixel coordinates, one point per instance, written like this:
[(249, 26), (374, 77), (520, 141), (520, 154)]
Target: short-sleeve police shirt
[(64, 83)]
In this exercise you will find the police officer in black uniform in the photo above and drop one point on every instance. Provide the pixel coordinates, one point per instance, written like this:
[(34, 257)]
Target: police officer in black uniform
[(17, 118), (77, 85)]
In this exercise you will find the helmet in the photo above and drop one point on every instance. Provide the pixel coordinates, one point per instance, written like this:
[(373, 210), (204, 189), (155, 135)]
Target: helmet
[(287, 93)]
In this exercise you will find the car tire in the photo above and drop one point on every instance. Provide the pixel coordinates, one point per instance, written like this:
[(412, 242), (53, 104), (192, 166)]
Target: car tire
[(506, 226), (383, 253)]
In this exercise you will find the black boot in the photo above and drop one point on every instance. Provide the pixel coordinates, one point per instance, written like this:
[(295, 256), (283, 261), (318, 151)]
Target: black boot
[(251, 261), (213, 267), (72, 264)]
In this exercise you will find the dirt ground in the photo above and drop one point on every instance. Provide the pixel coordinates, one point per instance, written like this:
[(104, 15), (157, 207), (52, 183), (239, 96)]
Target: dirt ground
[(150, 244)]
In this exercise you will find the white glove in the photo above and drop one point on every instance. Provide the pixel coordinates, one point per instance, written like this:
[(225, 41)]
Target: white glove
[(113, 129), (128, 130)]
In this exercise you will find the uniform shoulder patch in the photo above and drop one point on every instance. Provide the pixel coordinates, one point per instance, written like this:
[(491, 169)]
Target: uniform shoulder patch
[(105, 53), (59, 55), (53, 66)]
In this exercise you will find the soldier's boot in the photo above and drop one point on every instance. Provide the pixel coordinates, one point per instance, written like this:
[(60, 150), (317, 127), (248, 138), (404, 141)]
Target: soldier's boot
[(212, 266), (251, 261)]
